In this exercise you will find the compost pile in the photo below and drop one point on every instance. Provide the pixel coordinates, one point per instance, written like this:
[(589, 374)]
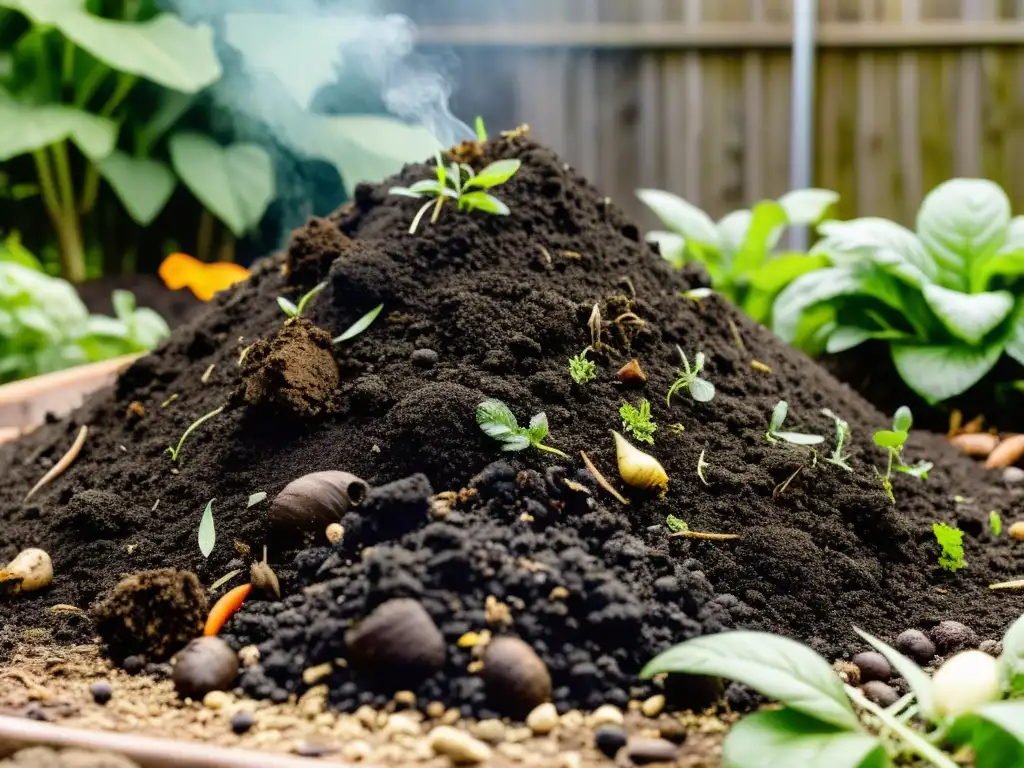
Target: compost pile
[(480, 306)]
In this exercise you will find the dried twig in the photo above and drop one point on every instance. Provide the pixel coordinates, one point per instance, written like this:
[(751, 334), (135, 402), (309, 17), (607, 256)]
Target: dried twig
[(601, 479), (699, 535), (64, 463)]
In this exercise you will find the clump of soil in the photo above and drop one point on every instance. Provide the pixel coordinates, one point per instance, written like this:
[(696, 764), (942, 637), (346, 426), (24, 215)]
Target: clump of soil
[(480, 306), (153, 614)]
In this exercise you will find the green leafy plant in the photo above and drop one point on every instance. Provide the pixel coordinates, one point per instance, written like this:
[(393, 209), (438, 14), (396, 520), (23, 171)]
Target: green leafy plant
[(945, 298), (191, 428), (296, 310), (676, 525), (497, 421), (995, 522), (688, 378), (45, 327), (582, 370), (207, 532), (894, 440), (775, 433), (823, 723), (738, 251), (951, 540), (462, 184), (838, 458), (481, 130), (637, 420)]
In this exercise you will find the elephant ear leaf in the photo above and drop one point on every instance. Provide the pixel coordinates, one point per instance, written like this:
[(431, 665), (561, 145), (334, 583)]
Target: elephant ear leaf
[(141, 184), (27, 127)]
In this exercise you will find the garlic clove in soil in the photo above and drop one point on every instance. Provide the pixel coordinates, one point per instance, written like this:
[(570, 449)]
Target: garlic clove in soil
[(965, 681), (639, 469), (314, 501), (31, 570)]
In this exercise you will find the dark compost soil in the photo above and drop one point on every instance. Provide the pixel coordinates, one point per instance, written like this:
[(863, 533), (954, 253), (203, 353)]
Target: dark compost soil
[(484, 306)]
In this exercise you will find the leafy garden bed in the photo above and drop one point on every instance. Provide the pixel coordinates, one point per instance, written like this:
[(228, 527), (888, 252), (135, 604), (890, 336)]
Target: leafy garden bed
[(565, 457)]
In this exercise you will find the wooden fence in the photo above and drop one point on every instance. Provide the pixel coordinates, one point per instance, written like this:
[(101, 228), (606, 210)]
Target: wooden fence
[(693, 96)]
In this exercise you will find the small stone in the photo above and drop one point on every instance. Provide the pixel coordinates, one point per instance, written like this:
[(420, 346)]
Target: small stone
[(848, 671), (206, 664), (991, 647), (402, 724), (952, 636), (424, 358), (1016, 530), (652, 707), (492, 730), (101, 691), (570, 760), (609, 739), (335, 533), (642, 751), (313, 749), (543, 719), (242, 721), (458, 746), (517, 679), (872, 666), (606, 714), (518, 735), (216, 700), (249, 656), (133, 664), (435, 709), (1013, 475), (572, 719), (915, 644), (405, 698), (672, 729), (883, 694), (313, 675)]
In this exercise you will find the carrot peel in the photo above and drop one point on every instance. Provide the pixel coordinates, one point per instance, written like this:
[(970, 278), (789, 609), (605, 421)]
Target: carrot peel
[(226, 607)]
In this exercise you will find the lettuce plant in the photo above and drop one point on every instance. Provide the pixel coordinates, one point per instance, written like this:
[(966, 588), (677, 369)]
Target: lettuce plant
[(944, 298), (738, 250)]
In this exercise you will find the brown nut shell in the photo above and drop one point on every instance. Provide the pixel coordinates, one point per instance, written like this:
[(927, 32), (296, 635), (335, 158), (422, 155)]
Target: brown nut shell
[(398, 638), (517, 679), (631, 373), (314, 501)]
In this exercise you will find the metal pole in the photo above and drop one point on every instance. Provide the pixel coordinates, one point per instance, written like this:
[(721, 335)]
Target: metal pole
[(801, 142)]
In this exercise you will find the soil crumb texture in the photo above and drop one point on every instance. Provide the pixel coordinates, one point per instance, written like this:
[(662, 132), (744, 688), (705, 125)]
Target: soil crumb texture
[(488, 543)]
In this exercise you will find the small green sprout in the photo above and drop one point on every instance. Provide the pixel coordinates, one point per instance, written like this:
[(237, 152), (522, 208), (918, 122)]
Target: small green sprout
[(293, 310), (175, 451), (774, 433), (995, 522), (894, 440), (952, 542), (359, 325), (497, 421), (207, 532), (702, 468), (838, 458), (637, 420), (462, 184), (481, 131), (689, 378), (696, 294), (676, 525), (581, 369)]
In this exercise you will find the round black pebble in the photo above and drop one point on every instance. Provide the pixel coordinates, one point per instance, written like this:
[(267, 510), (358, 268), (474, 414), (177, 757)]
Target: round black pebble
[(872, 666), (206, 664), (242, 722), (952, 636), (101, 691), (133, 664), (915, 644), (883, 694), (609, 739), (424, 358)]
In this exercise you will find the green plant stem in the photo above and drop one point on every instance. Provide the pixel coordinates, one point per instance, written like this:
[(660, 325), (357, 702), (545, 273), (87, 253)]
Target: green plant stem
[(226, 252), (549, 449), (175, 451), (911, 738), (60, 204), (91, 185), (67, 64), (47, 186), (90, 83)]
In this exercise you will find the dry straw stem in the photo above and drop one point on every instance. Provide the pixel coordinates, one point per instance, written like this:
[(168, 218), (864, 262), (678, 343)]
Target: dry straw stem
[(601, 479), (699, 535), (64, 463)]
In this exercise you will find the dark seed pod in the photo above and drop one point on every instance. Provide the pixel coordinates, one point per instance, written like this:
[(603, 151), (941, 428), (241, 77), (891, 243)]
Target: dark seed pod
[(397, 640), (206, 664), (316, 500), (516, 678)]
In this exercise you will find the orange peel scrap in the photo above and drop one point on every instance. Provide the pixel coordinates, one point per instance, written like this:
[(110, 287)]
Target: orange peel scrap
[(179, 270)]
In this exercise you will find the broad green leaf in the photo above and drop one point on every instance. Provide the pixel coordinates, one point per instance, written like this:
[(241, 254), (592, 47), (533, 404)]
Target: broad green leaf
[(995, 732), (1011, 660), (780, 271), (124, 305), (163, 50), (26, 128), (361, 325), (786, 738), (960, 221), (767, 221), (702, 391), (671, 246), (775, 666), (107, 327), (800, 438), (968, 316), (1004, 263), (494, 174), (207, 533), (865, 238), (496, 419), (890, 438), (236, 183), (481, 201), (142, 185), (807, 206), (918, 680), (846, 337), (170, 108), (732, 230), (939, 372), (681, 217), (148, 329)]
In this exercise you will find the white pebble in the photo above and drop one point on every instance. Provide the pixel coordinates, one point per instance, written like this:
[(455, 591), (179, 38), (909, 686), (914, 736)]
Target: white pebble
[(652, 707), (606, 714), (543, 719), (458, 745)]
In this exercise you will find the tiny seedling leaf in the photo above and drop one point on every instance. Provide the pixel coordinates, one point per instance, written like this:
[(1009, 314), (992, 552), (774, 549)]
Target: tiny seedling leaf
[(995, 522), (702, 391), (952, 542), (256, 498), (538, 428), (287, 306), (903, 420), (224, 579), (481, 131), (207, 533), (778, 416), (308, 297), (1011, 660), (890, 439), (360, 325), (637, 420), (494, 174), (482, 201), (498, 422), (799, 438)]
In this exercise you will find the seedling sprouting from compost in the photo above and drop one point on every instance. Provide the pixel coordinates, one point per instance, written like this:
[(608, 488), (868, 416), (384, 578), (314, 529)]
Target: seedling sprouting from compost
[(462, 184), (581, 369), (688, 377), (637, 420), (951, 539), (191, 427), (775, 433), (481, 130), (295, 310), (893, 440), (359, 325), (497, 421), (838, 458)]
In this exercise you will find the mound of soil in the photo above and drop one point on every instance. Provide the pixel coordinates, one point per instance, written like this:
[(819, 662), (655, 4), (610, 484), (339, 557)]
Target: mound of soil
[(482, 306)]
